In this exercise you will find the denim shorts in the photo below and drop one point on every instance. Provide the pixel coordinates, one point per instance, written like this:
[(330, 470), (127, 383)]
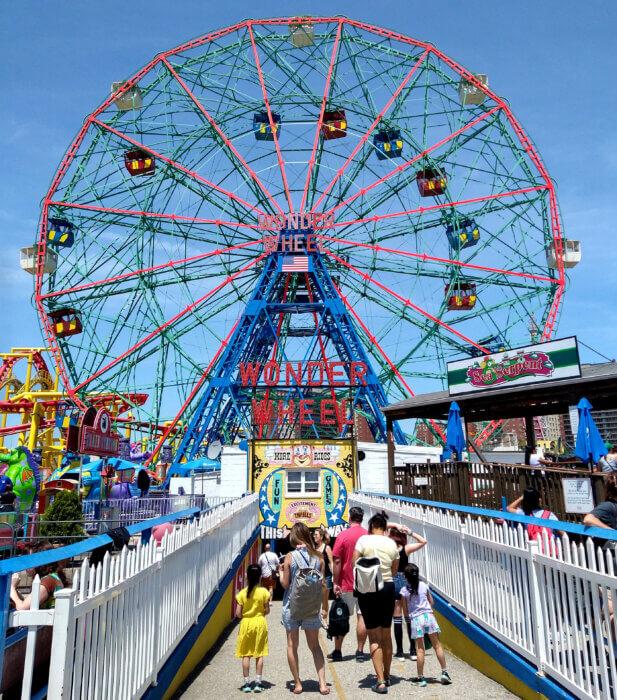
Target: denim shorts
[(311, 623), (399, 583), (328, 580)]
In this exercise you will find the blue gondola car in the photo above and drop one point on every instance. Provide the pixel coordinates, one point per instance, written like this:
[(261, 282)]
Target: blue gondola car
[(463, 234), (494, 343), (60, 232), (262, 128), (388, 144), (66, 415)]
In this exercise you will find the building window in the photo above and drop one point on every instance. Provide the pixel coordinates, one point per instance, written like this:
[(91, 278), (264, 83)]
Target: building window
[(302, 482)]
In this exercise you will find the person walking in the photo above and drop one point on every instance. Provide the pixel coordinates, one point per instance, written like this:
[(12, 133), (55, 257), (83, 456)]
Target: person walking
[(268, 562), (342, 579), (303, 556), (252, 606), (399, 535), (322, 545), (378, 607), (418, 604)]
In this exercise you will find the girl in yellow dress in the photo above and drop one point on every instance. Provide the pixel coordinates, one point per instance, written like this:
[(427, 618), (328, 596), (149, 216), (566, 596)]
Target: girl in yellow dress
[(252, 606)]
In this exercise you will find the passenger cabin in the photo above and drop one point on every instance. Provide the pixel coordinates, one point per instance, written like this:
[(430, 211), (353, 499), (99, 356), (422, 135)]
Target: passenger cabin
[(571, 254), (494, 343), (470, 94), (334, 124), (461, 296), (431, 182), (302, 34), (28, 256), (65, 322), (60, 232), (131, 99), (463, 234), (388, 144), (139, 163), (262, 128)]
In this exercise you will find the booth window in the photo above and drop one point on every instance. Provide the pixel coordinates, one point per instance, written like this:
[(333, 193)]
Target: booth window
[(302, 482)]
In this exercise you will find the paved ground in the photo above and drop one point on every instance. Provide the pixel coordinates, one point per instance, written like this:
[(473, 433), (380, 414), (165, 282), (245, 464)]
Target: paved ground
[(220, 673)]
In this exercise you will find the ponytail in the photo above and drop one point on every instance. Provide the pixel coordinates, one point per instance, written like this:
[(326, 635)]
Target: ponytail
[(412, 574)]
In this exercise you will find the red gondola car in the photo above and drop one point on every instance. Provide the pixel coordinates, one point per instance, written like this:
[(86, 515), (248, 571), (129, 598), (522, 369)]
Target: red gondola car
[(334, 124), (65, 322), (461, 296), (139, 163), (431, 182)]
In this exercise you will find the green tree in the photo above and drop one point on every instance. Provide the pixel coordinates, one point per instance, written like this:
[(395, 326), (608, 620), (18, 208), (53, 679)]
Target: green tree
[(65, 507)]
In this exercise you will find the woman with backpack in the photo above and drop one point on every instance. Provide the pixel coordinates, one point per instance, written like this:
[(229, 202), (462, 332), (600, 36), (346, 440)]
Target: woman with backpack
[(302, 579), (376, 560), (530, 504)]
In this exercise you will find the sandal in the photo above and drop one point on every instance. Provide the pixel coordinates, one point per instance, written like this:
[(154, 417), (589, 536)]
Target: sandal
[(380, 688), (388, 681)]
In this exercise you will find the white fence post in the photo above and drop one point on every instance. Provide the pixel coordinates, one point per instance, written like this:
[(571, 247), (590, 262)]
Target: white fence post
[(466, 601), (62, 647), (536, 580)]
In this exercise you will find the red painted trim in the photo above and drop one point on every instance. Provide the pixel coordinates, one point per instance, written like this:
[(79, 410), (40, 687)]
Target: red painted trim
[(406, 302), (424, 256), (423, 210), (162, 327), (274, 132), (176, 165), (413, 160), (364, 139), (373, 340), (321, 112), (226, 141), (195, 389), (126, 275), (153, 215)]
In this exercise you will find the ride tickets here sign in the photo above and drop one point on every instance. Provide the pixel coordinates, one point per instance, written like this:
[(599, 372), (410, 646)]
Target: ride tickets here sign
[(557, 359)]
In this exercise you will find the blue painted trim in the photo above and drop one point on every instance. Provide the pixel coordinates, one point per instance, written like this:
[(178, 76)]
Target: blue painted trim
[(486, 513), (519, 667), (177, 658)]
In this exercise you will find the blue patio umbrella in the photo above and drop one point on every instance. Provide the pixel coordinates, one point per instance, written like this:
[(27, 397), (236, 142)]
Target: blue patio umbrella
[(589, 442), (454, 432)]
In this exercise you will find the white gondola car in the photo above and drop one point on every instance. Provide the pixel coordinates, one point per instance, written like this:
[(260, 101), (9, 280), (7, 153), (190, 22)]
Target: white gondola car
[(470, 94), (27, 260), (571, 254), (302, 34), (131, 99)]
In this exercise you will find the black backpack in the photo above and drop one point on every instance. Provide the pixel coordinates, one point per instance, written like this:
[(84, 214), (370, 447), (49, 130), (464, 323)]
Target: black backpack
[(338, 619)]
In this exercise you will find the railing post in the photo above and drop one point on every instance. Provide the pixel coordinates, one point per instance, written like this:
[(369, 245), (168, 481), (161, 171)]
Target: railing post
[(427, 568), (62, 646), (535, 583), (157, 615), (465, 572)]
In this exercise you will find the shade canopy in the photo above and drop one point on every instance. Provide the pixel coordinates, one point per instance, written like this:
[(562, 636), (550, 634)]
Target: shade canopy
[(589, 442)]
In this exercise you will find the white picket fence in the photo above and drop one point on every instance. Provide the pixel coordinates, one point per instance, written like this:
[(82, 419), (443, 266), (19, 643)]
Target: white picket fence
[(119, 623), (552, 604)]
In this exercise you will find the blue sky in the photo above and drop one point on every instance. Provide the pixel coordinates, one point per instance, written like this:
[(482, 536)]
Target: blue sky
[(554, 62)]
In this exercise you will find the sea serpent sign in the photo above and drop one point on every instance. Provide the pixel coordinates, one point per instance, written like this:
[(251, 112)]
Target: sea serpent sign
[(528, 364)]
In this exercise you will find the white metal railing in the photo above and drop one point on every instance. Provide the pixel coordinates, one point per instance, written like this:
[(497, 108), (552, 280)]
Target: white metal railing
[(552, 603), (120, 622)]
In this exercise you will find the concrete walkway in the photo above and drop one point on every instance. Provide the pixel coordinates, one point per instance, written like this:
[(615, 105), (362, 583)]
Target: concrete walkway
[(220, 674)]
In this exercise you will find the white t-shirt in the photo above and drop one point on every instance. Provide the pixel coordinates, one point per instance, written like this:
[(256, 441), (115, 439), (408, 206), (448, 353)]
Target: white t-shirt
[(267, 561), (534, 460), (382, 546)]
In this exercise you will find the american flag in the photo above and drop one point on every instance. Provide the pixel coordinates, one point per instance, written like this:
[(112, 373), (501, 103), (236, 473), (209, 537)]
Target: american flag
[(295, 263)]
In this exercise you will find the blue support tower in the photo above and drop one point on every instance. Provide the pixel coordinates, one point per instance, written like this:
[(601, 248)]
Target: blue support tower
[(280, 297)]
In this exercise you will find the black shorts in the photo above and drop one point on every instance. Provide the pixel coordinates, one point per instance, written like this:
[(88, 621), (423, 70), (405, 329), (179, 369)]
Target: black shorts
[(377, 608)]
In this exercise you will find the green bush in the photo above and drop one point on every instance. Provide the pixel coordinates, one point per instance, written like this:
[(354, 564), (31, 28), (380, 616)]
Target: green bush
[(65, 506)]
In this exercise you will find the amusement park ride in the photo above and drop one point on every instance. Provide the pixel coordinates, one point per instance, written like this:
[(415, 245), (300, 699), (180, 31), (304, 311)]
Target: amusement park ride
[(287, 191)]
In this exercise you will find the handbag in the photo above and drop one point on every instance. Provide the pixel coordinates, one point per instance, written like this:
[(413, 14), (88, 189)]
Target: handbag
[(367, 574)]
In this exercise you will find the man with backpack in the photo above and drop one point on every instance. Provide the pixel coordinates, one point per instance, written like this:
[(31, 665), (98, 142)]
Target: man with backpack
[(343, 580)]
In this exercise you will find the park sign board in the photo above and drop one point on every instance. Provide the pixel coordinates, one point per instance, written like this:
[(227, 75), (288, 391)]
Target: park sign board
[(557, 359)]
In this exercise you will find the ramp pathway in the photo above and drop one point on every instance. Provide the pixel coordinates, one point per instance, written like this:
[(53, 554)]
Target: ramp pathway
[(220, 674)]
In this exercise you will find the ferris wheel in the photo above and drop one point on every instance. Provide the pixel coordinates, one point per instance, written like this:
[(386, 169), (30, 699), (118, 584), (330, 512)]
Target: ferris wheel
[(437, 221)]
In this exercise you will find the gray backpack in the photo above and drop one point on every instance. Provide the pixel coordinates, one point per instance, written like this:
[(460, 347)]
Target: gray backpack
[(305, 596)]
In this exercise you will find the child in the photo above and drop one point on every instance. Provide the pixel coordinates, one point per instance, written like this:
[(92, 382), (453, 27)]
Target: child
[(418, 605), (252, 606)]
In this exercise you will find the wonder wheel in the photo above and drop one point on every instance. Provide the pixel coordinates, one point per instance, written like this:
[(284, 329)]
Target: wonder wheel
[(437, 219)]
